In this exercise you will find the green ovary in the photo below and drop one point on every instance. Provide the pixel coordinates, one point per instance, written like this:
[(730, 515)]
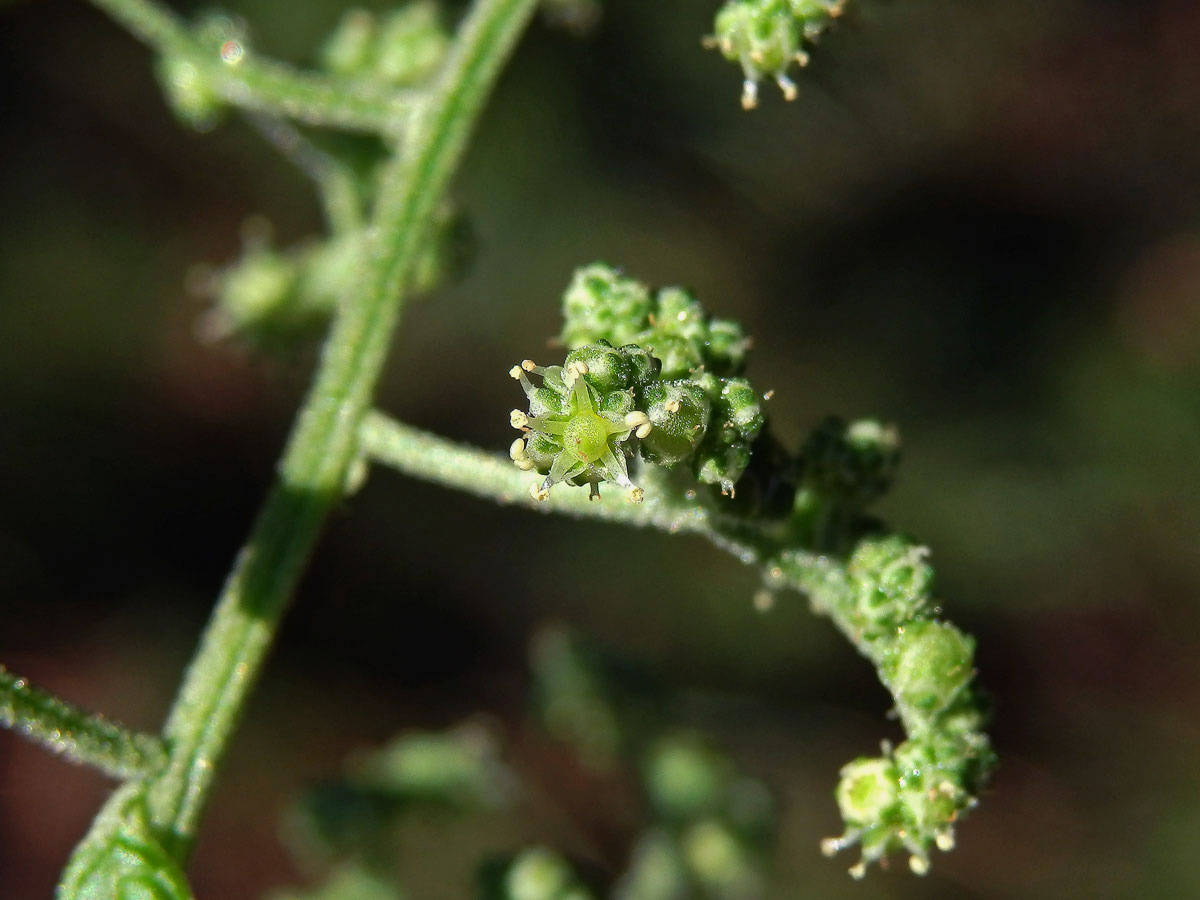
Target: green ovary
[(586, 436)]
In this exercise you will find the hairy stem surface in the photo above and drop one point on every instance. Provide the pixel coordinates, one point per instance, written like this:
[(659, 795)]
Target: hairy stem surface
[(319, 451), (78, 735), (250, 83)]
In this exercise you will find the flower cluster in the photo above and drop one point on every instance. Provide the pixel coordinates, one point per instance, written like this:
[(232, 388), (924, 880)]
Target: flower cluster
[(651, 365), (766, 36), (700, 409), (910, 797)]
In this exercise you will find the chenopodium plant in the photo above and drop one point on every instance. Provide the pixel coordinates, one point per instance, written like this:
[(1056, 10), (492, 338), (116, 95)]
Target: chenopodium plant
[(650, 377), (651, 382)]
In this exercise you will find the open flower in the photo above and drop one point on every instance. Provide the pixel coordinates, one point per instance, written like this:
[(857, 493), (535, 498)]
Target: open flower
[(579, 420)]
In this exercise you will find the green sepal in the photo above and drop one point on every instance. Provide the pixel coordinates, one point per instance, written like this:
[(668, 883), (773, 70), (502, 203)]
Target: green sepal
[(679, 412), (608, 369), (926, 667), (188, 92), (892, 583), (601, 304)]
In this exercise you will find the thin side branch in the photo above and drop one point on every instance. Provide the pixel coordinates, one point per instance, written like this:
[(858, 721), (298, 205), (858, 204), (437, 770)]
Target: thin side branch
[(78, 735), (265, 86), (459, 467)]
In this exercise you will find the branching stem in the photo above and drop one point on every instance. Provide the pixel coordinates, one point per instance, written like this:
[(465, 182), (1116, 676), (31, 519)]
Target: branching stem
[(324, 439), (266, 86), (78, 735)]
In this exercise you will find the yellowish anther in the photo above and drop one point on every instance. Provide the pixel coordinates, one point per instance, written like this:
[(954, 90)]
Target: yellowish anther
[(749, 95), (763, 602), (524, 465), (574, 370), (787, 86), (858, 870), (918, 864), (539, 492), (830, 846), (802, 59), (672, 406), (515, 373), (640, 422), (516, 450), (636, 495), (528, 365), (945, 841), (518, 419)]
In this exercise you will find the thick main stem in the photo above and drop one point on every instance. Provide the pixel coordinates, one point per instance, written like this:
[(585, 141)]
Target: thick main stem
[(323, 441)]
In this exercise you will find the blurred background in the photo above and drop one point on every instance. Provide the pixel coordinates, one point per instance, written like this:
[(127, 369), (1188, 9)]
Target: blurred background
[(980, 221)]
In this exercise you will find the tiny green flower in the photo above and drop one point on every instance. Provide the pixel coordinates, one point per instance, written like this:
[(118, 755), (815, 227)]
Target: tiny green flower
[(578, 423), (765, 37)]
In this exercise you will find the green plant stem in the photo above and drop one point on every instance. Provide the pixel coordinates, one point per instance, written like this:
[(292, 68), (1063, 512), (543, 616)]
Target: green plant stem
[(459, 467), (263, 85), (324, 439), (78, 735)]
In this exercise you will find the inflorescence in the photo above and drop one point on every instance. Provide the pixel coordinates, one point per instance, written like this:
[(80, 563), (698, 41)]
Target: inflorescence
[(766, 37), (647, 373), (650, 375)]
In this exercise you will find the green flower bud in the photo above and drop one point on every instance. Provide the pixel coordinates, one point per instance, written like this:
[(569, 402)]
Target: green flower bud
[(851, 463), (411, 45), (766, 36), (256, 289), (722, 466), (188, 92), (656, 870), (460, 769), (601, 304), (350, 49), (680, 356), (620, 402), (605, 368), (892, 583), (535, 874), (644, 367), (685, 779), (680, 314), (739, 406), (726, 349), (679, 412), (403, 48), (926, 669), (868, 792), (718, 860)]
